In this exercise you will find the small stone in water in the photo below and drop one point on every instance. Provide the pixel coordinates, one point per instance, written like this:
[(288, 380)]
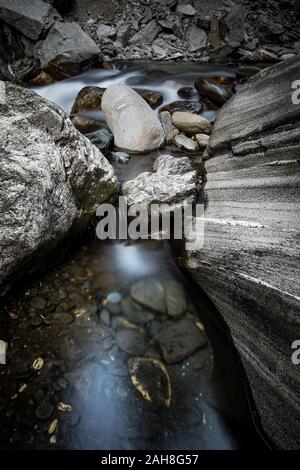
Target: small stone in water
[(183, 142), (105, 317), (53, 440), (38, 363), (131, 342), (44, 411), (114, 297), (64, 407), (53, 426)]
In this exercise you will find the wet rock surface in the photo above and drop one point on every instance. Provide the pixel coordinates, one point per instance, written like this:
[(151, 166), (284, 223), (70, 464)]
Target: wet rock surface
[(89, 385), (173, 181), (49, 173), (135, 126), (252, 212)]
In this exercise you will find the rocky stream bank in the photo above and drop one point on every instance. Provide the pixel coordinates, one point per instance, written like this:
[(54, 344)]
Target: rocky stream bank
[(118, 321)]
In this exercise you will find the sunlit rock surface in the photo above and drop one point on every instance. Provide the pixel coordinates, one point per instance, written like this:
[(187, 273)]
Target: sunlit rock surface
[(51, 180), (249, 265)]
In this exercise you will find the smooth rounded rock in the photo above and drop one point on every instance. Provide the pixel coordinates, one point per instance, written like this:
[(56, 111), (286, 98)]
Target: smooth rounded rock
[(192, 123), (135, 126)]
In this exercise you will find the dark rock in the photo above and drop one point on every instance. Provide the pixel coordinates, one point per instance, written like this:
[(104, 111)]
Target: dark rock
[(105, 317), (85, 125), (175, 299), (63, 318), (88, 99), (44, 411), (132, 342), (135, 313), (214, 91), (150, 293), (64, 174), (194, 107), (249, 265), (38, 303), (153, 98), (66, 50), (31, 17), (188, 93), (180, 340), (102, 139), (150, 377)]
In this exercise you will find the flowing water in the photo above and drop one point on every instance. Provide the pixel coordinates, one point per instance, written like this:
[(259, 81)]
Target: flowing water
[(87, 373)]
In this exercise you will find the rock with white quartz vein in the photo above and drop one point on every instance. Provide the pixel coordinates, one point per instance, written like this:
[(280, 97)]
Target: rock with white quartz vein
[(135, 126)]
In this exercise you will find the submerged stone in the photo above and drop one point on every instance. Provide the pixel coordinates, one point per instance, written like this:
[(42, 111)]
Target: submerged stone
[(179, 340)]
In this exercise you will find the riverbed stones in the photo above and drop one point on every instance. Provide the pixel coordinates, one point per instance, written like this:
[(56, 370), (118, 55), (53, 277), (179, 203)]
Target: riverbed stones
[(44, 411), (150, 293), (176, 302), (179, 340), (66, 178), (135, 126), (102, 139), (214, 91), (194, 107), (66, 50), (188, 93), (192, 123), (185, 143), (172, 182), (150, 377), (30, 17), (153, 98), (85, 125), (88, 99), (202, 140), (131, 342)]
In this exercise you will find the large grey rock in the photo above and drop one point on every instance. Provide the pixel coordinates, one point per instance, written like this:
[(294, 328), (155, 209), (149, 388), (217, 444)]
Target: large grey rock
[(249, 264), (30, 17), (173, 182), (66, 50), (135, 126), (52, 180)]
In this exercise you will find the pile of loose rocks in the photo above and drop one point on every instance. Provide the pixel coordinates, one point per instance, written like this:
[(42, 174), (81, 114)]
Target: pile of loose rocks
[(60, 38)]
